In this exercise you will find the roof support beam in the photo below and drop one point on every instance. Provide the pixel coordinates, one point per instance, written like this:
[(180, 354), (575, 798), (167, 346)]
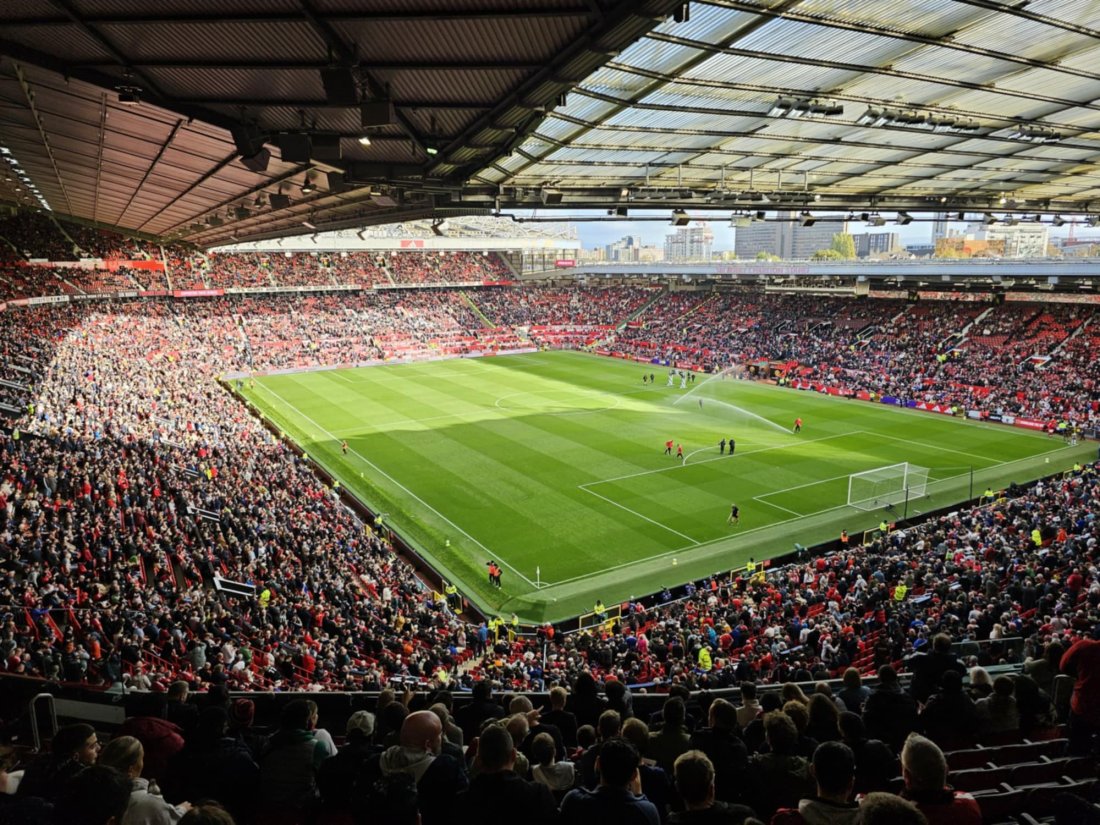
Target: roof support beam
[(149, 170), (29, 95), (99, 152)]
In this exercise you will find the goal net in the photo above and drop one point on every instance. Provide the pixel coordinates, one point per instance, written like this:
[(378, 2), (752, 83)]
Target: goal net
[(886, 486)]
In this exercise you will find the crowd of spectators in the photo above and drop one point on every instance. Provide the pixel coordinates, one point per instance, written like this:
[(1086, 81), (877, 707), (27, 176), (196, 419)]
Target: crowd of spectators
[(129, 480), (37, 235), (122, 434), (446, 267)]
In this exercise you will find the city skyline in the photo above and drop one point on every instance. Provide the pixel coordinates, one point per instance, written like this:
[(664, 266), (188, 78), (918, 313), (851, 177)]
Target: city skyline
[(593, 235)]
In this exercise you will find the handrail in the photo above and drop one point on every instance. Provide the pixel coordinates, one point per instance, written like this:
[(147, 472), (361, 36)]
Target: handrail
[(34, 718)]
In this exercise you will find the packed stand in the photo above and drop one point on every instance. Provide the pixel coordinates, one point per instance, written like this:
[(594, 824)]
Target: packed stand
[(446, 267), (27, 235)]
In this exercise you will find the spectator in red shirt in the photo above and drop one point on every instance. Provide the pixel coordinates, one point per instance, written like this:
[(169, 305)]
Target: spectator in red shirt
[(924, 769), (1082, 661)]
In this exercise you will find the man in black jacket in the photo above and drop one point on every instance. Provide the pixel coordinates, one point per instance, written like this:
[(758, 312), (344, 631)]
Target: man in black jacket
[(497, 793), (727, 753), (927, 668), (890, 714)]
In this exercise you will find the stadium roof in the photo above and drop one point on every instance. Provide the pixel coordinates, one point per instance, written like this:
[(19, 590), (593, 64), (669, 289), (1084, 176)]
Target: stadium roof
[(137, 115)]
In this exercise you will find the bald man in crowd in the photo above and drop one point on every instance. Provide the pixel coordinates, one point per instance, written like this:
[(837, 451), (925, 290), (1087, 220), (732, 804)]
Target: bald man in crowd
[(439, 777)]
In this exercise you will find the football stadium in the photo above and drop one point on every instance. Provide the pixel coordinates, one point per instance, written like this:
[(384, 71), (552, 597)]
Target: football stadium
[(591, 411)]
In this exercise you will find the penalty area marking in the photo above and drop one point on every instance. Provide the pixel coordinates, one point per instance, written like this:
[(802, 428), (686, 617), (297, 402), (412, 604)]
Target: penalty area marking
[(401, 486), (694, 542)]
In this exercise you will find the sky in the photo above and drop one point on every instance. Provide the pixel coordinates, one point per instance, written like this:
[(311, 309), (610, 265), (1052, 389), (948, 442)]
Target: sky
[(653, 232)]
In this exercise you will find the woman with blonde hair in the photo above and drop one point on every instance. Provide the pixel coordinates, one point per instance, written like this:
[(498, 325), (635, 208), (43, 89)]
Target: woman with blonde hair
[(146, 807)]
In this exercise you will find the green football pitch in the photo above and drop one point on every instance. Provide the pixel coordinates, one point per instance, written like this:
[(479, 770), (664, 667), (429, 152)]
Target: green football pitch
[(552, 464)]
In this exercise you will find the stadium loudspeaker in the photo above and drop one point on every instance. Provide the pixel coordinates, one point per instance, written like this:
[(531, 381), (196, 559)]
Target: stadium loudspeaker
[(340, 86), (247, 138), (377, 113), (326, 147), (295, 148), (279, 201), (336, 182), (551, 196), (257, 162)]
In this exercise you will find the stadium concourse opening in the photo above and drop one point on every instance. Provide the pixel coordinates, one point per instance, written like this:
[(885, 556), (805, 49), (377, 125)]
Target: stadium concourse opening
[(405, 406)]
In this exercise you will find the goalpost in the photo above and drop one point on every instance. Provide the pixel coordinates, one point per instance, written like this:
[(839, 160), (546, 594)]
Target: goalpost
[(886, 486)]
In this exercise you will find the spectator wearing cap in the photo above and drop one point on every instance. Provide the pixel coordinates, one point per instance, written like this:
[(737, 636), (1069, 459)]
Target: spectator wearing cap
[(618, 798), (725, 750), (1082, 661), (74, 748), (146, 806), (890, 714), (834, 772), (242, 713), (924, 769), (497, 793), (439, 777), (337, 775), (215, 765), (950, 714), (695, 783)]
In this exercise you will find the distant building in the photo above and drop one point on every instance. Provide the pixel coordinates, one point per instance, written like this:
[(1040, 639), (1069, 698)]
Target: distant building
[(626, 250), (875, 244), (786, 237), (939, 226), (1024, 240), (690, 243)]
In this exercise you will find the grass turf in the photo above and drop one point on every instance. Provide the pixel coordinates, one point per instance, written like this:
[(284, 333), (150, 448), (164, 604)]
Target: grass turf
[(553, 462)]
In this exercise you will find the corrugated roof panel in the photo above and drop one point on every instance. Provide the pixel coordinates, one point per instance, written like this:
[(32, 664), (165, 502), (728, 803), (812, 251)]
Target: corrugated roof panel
[(445, 7), (28, 8), (64, 38), (658, 56), (930, 17), (952, 65), (768, 74), (523, 40), (225, 39), (710, 24), (805, 40), (260, 84), (165, 8)]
